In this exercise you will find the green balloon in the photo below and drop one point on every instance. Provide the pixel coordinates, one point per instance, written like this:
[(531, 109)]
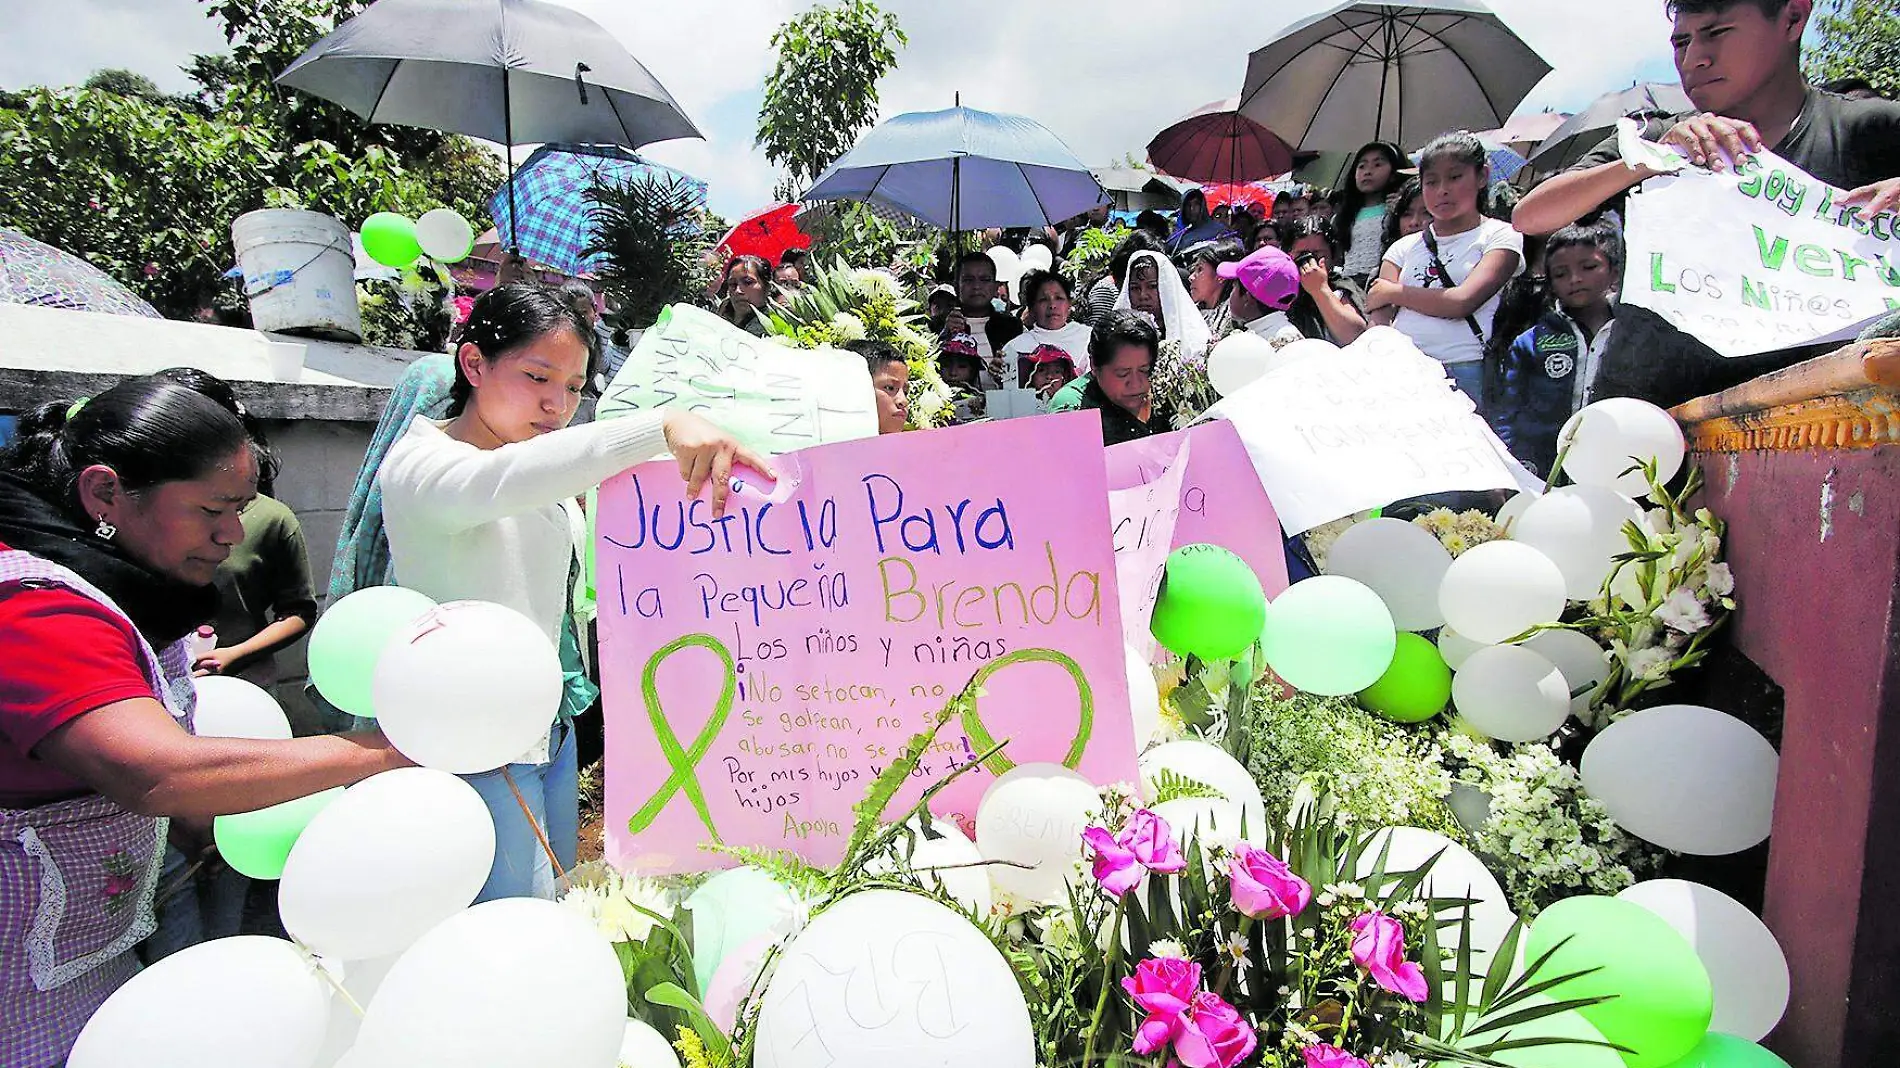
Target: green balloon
[(349, 638), (1661, 1000), (1210, 605), (257, 843), (1329, 635), (1415, 688), (1727, 1051), (730, 909), (390, 239)]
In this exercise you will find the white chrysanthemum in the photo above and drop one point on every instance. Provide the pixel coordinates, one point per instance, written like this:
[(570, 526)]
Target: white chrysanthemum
[(610, 905), (1167, 947), (874, 283), (847, 327), (1683, 611)]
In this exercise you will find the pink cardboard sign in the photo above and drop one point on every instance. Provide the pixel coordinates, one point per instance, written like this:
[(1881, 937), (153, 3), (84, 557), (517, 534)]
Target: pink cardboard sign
[(758, 671), (1142, 519), (1222, 500)]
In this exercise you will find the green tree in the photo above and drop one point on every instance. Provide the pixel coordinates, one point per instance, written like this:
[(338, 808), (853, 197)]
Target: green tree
[(1857, 38), (823, 89), (124, 83), (146, 188)]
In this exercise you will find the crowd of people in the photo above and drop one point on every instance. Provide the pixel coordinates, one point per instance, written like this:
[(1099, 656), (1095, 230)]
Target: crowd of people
[(139, 547)]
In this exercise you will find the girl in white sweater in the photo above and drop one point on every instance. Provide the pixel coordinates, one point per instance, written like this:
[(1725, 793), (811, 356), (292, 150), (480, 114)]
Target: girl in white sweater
[(482, 506)]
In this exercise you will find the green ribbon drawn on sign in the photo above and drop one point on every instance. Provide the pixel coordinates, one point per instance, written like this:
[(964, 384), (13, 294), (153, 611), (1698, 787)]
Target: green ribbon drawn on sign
[(683, 761), (983, 741)]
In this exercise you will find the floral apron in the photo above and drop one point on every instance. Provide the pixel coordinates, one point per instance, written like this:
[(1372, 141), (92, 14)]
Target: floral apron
[(76, 876)]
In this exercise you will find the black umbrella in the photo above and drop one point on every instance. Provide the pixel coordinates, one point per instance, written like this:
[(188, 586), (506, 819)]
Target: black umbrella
[(1587, 128), (512, 71)]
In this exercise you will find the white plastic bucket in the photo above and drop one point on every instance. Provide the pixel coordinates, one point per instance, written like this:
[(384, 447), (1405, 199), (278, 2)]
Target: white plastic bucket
[(299, 274)]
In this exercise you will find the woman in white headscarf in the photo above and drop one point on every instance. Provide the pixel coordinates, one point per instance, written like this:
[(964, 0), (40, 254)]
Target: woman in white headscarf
[(1154, 286)]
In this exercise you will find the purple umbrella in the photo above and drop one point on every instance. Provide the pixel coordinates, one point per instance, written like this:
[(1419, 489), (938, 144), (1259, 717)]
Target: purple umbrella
[(33, 272)]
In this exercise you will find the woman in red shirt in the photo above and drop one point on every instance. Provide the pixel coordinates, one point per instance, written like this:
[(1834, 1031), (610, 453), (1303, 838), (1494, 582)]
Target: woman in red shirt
[(114, 516)]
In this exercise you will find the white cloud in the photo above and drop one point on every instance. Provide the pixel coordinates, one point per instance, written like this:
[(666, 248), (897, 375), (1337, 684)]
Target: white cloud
[(54, 43)]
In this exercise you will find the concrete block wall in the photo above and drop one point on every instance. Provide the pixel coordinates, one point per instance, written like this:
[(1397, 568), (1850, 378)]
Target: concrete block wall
[(320, 462)]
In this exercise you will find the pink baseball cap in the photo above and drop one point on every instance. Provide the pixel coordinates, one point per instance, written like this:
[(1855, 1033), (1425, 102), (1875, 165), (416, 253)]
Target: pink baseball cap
[(1268, 274)]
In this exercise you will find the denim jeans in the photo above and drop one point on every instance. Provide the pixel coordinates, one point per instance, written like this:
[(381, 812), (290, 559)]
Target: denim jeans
[(1469, 378), (210, 906), (552, 793)]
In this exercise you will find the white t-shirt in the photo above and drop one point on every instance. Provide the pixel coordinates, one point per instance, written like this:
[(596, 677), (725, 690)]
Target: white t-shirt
[(1072, 339), (992, 365), (1451, 340)]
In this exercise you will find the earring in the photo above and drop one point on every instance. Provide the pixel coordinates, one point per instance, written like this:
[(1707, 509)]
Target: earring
[(105, 531)]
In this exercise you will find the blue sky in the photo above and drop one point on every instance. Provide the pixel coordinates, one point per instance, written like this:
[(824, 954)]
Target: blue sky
[(1103, 74)]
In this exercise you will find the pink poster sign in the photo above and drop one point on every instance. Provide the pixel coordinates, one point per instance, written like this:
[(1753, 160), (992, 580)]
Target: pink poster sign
[(1142, 518), (1222, 500), (758, 671)]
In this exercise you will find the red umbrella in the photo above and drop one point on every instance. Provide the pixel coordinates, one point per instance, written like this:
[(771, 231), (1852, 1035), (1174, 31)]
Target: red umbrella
[(769, 234), (1221, 193), (1215, 143)]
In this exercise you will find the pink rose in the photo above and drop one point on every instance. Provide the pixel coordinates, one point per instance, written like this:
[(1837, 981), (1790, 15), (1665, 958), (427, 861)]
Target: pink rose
[(1378, 946), (1151, 840), (1330, 1057), (1146, 844), (1162, 987), (1263, 887), (1116, 868), (1213, 1034)]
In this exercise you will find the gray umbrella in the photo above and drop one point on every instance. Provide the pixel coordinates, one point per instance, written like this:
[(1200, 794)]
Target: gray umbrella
[(1587, 128), (513, 71), (1403, 73)]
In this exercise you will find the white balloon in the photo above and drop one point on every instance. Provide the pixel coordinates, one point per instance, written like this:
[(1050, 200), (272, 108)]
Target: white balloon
[(249, 1000), (1403, 564), (1144, 698), (949, 862), (1499, 590), (885, 977), (1457, 873), (1034, 815), (1237, 361), (1513, 509), (1580, 528), (1606, 438), (1456, 648), (444, 235), (397, 854), (361, 979), (1210, 765), (470, 686), (1512, 694), (1745, 963), (1037, 257), (475, 992), (1009, 268), (1582, 661), (230, 707), (643, 1047), (1685, 777), (1306, 348)]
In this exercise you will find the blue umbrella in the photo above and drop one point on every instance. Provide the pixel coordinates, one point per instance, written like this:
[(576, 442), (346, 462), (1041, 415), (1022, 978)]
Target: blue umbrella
[(963, 169), (550, 193)]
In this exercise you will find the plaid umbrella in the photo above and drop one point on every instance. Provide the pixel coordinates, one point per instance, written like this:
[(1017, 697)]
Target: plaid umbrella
[(768, 234), (33, 272), (1505, 161), (550, 193)]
